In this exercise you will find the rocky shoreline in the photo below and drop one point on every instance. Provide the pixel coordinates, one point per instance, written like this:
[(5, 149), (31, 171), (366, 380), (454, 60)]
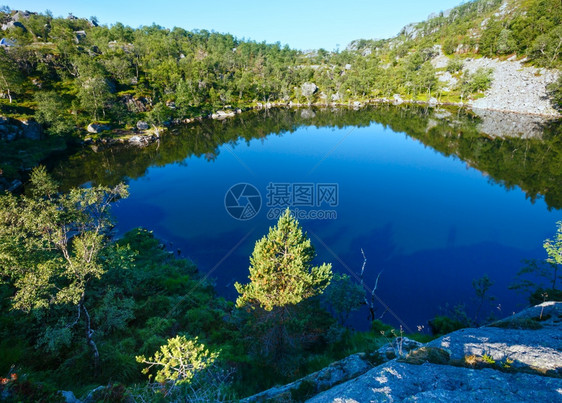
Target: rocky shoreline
[(517, 359)]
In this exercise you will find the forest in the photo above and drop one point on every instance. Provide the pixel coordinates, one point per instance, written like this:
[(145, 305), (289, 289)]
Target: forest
[(82, 308), (69, 72)]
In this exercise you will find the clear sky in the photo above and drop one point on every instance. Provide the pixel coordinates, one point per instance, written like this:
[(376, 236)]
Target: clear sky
[(302, 24)]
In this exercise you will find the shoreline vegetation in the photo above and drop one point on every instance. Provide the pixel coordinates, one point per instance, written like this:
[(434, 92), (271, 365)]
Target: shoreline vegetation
[(81, 308), (74, 79)]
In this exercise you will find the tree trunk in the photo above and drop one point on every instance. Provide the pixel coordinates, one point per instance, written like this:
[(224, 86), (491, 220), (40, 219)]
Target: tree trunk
[(90, 340)]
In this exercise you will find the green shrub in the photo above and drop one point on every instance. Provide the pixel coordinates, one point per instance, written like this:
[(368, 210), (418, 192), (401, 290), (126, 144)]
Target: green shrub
[(455, 64), (479, 81), (555, 94), (444, 325)]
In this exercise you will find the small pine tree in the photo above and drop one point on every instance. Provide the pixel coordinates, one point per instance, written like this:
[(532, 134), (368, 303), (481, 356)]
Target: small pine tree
[(280, 268), (281, 317)]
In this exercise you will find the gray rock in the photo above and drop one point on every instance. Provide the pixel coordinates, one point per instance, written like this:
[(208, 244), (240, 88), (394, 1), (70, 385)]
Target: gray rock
[(336, 97), (9, 132), (336, 373), (137, 140), (15, 185), (308, 89), (397, 99), (13, 24), (69, 397), (398, 381), (509, 124), (220, 115), (97, 128), (399, 347), (511, 79), (528, 343), (525, 340), (141, 125), (308, 114)]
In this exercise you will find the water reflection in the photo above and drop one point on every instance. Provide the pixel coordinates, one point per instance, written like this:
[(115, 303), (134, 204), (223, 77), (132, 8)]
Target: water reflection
[(418, 193)]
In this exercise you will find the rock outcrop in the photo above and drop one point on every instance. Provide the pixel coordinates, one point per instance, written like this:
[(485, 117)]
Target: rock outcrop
[(516, 87), (14, 129), (97, 128), (518, 359), (399, 381)]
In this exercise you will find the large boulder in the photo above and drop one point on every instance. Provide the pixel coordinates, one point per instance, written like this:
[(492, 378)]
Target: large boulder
[(334, 374), (397, 99), (308, 89), (399, 381), (8, 130), (97, 128), (220, 115), (13, 24), (69, 397), (433, 102), (141, 125)]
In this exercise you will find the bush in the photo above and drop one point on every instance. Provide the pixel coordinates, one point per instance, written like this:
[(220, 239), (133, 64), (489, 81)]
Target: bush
[(444, 325), (479, 81), (555, 94), (455, 64)]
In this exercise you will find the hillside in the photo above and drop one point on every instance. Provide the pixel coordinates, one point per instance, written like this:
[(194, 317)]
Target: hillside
[(81, 80), (120, 74), (491, 28)]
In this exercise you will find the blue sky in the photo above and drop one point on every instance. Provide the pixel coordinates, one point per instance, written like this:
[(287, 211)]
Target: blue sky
[(302, 24)]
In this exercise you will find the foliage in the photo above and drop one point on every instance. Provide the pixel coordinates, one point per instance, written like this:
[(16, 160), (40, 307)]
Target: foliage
[(454, 64), (11, 79), (555, 94), (279, 310), (481, 287), (179, 360), (445, 325), (120, 74), (50, 250), (344, 296), (539, 278), (20, 389), (479, 81), (280, 269), (51, 113), (553, 248)]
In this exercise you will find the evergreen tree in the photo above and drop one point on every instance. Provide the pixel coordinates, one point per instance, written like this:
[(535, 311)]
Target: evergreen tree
[(283, 317), (281, 272)]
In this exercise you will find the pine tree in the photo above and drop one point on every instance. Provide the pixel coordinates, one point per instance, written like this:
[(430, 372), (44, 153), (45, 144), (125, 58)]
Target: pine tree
[(280, 268), (281, 318)]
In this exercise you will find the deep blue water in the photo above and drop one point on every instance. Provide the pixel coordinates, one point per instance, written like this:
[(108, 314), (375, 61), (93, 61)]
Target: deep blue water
[(429, 222)]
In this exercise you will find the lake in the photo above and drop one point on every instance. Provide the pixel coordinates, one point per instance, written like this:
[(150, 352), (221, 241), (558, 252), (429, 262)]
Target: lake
[(435, 199)]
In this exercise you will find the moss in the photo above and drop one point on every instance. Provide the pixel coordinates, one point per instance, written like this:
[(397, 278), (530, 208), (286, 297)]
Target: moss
[(304, 391), (523, 324)]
